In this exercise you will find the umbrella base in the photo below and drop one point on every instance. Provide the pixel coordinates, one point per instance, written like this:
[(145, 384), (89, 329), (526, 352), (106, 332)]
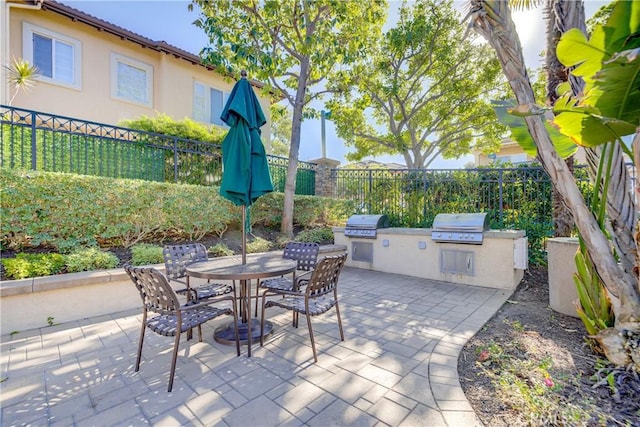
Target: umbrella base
[(227, 334)]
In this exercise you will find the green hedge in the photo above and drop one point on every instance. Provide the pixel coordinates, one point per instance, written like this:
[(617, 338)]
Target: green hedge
[(66, 211)]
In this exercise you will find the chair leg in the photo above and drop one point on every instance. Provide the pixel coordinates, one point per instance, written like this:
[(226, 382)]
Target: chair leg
[(339, 322), (264, 301), (235, 322), (257, 295), (200, 333), (313, 342), (140, 340), (190, 331), (175, 357)]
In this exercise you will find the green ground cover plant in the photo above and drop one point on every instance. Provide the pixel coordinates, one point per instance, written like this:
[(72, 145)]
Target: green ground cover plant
[(220, 249), (25, 265), (33, 265), (87, 259), (146, 254)]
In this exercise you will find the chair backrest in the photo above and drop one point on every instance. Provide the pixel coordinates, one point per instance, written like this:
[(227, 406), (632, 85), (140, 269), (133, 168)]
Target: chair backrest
[(156, 293), (178, 257), (324, 278), (305, 253)]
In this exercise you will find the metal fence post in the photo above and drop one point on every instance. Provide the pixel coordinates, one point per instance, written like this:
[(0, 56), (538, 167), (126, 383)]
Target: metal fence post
[(370, 191), (500, 184), (175, 159), (34, 150)]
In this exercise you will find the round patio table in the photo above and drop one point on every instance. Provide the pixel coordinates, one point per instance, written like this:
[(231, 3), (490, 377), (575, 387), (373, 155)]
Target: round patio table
[(258, 266)]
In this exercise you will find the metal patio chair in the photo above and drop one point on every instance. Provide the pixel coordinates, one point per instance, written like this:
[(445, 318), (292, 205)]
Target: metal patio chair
[(306, 255), (172, 317), (176, 260), (320, 295)]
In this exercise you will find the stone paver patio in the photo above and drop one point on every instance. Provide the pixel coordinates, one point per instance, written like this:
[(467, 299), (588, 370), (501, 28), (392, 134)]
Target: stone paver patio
[(396, 367)]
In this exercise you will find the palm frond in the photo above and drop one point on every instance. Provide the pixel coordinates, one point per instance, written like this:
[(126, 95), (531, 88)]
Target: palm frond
[(525, 4)]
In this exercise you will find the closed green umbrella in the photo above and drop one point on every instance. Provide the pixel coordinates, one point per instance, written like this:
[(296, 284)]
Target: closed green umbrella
[(244, 161)]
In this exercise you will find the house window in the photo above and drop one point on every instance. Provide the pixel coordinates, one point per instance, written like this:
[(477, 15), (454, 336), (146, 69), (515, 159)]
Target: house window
[(208, 104), (131, 80), (56, 56)]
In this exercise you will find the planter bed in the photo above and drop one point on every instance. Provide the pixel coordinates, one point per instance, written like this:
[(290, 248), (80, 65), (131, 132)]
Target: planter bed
[(31, 303)]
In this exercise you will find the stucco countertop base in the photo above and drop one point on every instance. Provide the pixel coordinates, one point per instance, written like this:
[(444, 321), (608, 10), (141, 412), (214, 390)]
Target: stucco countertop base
[(499, 262)]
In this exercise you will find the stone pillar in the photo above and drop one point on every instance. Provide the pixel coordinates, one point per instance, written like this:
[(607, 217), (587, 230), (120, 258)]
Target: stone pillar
[(325, 182), (562, 290)]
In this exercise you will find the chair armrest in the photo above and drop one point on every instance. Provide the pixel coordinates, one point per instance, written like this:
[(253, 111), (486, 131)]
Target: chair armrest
[(282, 292), (303, 275), (303, 278), (191, 293), (210, 301)]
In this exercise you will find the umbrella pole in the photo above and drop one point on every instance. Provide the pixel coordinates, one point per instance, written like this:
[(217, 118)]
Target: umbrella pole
[(244, 235)]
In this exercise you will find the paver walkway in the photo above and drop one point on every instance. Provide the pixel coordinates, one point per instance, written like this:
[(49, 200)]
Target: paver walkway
[(396, 367)]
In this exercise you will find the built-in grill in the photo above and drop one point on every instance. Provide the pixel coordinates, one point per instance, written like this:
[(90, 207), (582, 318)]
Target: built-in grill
[(365, 226), (459, 228)]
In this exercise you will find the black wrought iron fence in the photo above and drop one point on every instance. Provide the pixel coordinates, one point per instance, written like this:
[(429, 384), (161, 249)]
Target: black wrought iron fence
[(48, 142), (412, 198), (305, 176)]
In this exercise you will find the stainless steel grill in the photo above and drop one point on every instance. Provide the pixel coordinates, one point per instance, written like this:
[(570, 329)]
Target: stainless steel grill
[(465, 228), (365, 226)]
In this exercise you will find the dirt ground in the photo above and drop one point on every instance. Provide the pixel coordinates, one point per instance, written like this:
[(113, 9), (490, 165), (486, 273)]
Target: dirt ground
[(528, 346)]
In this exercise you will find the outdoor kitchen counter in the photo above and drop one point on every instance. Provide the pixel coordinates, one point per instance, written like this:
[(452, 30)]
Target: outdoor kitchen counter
[(499, 262)]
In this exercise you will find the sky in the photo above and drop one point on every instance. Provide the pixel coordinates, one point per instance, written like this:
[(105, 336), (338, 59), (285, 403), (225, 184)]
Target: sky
[(172, 22)]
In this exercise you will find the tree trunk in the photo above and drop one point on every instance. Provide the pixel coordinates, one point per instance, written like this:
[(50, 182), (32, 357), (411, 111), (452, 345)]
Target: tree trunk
[(286, 227), (492, 19), (567, 14), (557, 74)]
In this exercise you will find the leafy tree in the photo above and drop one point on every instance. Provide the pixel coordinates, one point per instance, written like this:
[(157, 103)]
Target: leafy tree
[(293, 46), (601, 16), (423, 92), (280, 130), (609, 64)]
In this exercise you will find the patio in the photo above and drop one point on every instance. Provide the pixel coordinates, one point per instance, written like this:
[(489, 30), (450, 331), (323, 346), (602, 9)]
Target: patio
[(397, 365)]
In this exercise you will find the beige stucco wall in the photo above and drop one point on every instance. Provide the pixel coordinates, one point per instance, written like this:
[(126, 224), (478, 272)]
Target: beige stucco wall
[(498, 263), (26, 304), (172, 77), (507, 149), (510, 148)]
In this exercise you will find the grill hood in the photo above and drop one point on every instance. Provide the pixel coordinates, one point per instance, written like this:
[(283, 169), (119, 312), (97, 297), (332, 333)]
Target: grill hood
[(368, 221), (459, 228), (365, 226)]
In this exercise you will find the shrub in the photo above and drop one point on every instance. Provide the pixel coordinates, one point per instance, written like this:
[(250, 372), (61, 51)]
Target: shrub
[(33, 265), (88, 259), (146, 254), (186, 128), (308, 211), (316, 235), (257, 245), (124, 212)]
